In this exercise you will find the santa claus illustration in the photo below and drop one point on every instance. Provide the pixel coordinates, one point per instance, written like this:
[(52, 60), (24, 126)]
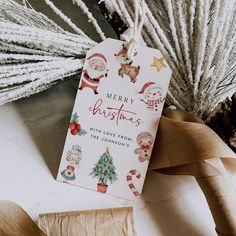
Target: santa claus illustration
[(152, 97), (94, 70)]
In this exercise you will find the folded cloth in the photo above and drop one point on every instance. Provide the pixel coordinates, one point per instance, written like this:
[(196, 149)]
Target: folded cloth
[(183, 138), (14, 221), (112, 221), (186, 146)]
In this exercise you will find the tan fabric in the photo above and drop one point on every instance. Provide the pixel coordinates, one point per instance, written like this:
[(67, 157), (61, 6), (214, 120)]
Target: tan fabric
[(186, 146), (183, 138), (113, 221), (14, 221)]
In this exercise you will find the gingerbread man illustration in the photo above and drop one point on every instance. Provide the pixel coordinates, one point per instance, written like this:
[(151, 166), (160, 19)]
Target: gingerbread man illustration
[(145, 142)]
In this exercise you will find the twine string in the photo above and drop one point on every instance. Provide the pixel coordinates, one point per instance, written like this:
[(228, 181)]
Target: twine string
[(133, 43)]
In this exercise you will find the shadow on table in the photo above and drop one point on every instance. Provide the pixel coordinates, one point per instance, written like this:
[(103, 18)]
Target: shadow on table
[(46, 117), (171, 210), (47, 114)]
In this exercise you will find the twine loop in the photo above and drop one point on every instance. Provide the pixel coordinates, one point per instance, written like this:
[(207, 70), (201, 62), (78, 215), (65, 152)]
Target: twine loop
[(134, 41)]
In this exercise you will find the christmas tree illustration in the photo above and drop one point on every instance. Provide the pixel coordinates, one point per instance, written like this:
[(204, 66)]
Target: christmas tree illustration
[(105, 171)]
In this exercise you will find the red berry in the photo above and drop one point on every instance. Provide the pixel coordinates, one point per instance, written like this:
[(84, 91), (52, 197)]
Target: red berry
[(72, 126), (78, 127), (74, 131)]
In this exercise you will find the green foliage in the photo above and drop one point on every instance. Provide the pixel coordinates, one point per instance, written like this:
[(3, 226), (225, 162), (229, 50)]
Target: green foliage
[(104, 169), (82, 132), (75, 118)]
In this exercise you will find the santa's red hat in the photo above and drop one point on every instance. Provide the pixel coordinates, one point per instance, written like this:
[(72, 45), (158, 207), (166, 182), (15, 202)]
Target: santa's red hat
[(148, 86), (98, 56)]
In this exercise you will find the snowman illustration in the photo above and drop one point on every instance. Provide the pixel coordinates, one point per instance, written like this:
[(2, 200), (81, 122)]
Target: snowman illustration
[(95, 69), (152, 97), (73, 158)]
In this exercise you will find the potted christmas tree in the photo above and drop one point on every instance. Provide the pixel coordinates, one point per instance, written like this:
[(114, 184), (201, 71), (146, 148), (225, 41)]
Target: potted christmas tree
[(104, 170)]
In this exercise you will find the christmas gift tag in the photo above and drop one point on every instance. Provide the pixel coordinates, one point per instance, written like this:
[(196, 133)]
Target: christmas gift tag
[(115, 119)]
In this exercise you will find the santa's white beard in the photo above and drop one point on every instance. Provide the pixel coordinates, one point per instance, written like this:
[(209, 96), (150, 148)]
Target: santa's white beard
[(93, 74)]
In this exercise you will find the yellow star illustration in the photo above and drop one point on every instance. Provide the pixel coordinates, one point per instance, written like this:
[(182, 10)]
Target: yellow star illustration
[(158, 63)]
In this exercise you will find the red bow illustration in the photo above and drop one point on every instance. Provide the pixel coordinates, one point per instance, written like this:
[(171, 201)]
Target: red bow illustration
[(145, 146)]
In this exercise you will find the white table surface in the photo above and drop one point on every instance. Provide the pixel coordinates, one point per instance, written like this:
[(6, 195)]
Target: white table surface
[(32, 135)]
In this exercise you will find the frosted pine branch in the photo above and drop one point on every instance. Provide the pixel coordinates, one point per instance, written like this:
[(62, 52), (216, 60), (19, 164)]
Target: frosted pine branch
[(91, 18), (35, 52), (198, 40), (65, 18)]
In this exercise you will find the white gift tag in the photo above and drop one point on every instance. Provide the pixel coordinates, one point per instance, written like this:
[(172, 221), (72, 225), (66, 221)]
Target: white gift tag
[(115, 119)]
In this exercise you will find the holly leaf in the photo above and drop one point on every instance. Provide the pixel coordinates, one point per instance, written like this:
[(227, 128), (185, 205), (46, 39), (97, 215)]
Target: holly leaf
[(75, 118), (82, 132)]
